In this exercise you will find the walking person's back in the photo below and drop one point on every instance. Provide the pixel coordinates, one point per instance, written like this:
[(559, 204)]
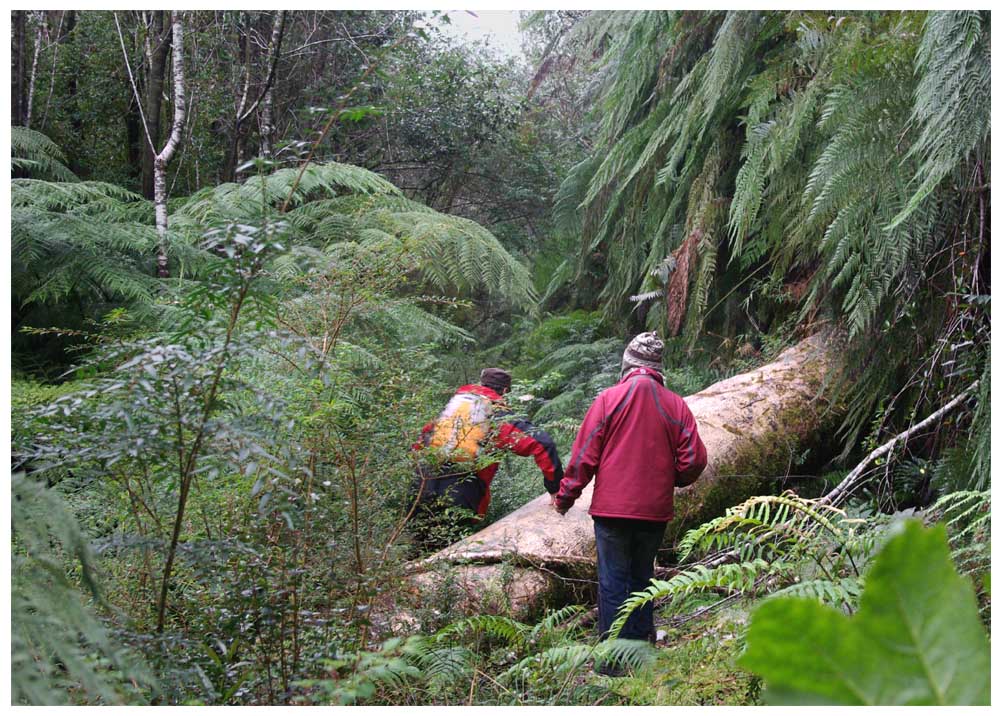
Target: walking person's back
[(639, 442)]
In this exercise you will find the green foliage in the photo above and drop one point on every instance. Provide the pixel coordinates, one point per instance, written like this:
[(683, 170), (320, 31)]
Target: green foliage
[(981, 434), (236, 430), (61, 652), (35, 154), (481, 659), (336, 204), (916, 639), (82, 249), (78, 241), (967, 517), (779, 544), (695, 665), (861, 172), (740, 577), (951, 105)]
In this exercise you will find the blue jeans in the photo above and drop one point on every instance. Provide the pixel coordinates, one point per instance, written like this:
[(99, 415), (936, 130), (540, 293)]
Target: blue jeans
[(626, 551)]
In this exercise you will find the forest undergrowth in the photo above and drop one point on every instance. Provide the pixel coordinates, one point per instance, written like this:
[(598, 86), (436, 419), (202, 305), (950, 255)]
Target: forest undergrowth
[(215, 393)]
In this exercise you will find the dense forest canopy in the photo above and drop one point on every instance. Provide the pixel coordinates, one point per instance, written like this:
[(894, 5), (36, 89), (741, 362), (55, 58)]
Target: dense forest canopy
[(252, 252)]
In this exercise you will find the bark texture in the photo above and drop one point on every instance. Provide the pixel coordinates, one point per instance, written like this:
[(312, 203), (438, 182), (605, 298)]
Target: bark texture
[(162, 159), (159, 45), (752, 424)]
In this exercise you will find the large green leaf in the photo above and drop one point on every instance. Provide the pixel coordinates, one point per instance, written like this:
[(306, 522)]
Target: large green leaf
[(916, 638)]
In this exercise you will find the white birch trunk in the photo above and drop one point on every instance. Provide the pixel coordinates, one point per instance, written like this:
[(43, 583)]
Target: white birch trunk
[(39, 18), (267, 127), (52, 75), (162, 159)]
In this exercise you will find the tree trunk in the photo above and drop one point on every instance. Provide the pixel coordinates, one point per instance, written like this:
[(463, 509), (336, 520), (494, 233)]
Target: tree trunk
[(17, 84), (39, 18), (136, 147), (245, 108), (266, 128), (160, 46), (267, 122), (752, 424), (162, 159)]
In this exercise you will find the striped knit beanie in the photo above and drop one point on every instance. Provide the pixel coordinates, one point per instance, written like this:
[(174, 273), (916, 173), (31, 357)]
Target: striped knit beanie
[(644, 351)]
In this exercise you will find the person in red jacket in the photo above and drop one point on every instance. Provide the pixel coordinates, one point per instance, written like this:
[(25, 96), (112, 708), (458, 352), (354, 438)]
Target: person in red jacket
[(639, 442), (460, 452)]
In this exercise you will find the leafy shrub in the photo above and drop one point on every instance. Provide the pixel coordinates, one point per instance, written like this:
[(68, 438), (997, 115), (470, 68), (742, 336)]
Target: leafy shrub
[(916, 638)]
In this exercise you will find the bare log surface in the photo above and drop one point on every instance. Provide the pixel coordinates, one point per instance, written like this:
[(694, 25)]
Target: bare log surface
[(752, 424)]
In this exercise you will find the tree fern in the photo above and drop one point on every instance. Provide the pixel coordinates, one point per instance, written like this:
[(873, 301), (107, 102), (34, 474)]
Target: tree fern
[(88, 246), (60, 651), (850, 125), (952, 98), (341, 204), (34, 154)]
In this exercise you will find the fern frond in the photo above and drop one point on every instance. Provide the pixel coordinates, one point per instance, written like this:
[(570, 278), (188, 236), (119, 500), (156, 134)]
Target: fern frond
[(952, 98), (740, 577), (763, 521), (837, 593), (512, 632), (36, 154), (54, 635)]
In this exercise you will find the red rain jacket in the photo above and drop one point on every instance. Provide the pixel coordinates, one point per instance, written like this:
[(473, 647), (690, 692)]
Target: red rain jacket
[(639, 441)]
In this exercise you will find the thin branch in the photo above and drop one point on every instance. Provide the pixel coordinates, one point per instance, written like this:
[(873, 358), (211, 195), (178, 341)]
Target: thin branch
[(40, 31), (132, 81), (841, 491), (276, 49), (330, 123), (52, 77)]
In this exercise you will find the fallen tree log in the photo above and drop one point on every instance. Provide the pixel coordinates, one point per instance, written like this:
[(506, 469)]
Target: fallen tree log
[(753, 424)]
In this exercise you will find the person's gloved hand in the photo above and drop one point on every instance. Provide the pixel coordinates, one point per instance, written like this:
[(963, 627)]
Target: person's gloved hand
[(556, 507)]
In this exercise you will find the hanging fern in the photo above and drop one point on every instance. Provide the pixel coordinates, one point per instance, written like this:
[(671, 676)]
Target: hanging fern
[(862, 173), (952, 98)]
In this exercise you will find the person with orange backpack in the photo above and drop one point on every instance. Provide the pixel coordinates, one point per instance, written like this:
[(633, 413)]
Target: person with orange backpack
[(459, 454)]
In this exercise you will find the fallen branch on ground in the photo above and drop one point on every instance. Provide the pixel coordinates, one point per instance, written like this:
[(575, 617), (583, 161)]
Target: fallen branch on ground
[(842, 490)]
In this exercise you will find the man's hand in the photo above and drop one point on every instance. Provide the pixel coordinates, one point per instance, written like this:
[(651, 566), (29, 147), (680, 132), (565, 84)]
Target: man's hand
[(556, 507)]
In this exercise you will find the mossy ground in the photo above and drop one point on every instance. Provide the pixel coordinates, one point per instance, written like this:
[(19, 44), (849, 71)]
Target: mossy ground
[(695, 667)]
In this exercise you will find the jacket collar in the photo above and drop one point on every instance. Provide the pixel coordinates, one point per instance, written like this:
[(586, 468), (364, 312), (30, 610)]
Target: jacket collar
[(478, 389), (634, 372)]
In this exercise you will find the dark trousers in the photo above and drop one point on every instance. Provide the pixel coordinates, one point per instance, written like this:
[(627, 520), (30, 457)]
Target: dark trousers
[(447, 507), (626, 551)]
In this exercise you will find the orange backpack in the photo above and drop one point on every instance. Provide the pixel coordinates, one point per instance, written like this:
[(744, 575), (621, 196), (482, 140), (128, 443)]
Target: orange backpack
[(462, 427)]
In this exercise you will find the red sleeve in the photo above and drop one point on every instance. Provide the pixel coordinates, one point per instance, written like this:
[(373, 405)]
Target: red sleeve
[(690, 460), (524, 439), (585, 455), (425, 436)]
